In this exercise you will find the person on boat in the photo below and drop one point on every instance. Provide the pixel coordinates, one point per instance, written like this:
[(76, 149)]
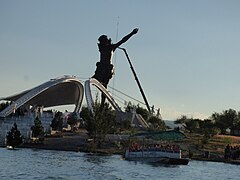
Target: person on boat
[(104, 70)]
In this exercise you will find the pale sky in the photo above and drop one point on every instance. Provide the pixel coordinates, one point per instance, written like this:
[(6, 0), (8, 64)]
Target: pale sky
[(186, 53)]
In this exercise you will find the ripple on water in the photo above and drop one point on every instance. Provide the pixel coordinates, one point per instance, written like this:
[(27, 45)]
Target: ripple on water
[(44, 164)]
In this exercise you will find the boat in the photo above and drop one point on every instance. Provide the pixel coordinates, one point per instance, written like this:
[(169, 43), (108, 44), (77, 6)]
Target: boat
[(9, 147), (156, 154), (163, 155)]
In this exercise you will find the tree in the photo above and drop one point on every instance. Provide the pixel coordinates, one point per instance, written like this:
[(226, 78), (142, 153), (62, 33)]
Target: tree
[(226, 119), (139, 110), (230, 117), (157, 123), (237, 121), (37, 128), (57, 122), (189, 124), (14, 137), (181, 120), (100, 122), (208, 126), (205, 124), (143, 112), (72, 119), (192, 125)]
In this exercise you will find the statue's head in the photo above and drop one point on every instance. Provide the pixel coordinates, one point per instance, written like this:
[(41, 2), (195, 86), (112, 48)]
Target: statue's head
[(103, 39)]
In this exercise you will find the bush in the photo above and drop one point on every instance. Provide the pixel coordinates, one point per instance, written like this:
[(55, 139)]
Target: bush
[(14, 137)]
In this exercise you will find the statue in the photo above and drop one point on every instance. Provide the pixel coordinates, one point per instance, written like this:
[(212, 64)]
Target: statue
[(104, 71)]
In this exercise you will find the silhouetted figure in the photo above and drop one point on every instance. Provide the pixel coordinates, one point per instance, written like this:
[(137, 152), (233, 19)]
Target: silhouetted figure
[(227, 152), (104, 71)]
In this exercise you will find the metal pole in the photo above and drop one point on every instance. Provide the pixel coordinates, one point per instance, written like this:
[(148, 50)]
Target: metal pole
[(136, 78)]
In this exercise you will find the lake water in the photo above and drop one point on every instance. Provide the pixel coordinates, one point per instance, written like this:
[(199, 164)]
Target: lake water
[(45, 164)]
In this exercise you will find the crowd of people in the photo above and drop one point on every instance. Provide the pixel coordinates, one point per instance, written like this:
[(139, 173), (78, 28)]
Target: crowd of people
[(232, 152), (154, 147)]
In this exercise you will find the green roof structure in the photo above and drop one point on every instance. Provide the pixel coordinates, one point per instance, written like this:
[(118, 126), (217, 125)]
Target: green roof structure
[(171, 135)]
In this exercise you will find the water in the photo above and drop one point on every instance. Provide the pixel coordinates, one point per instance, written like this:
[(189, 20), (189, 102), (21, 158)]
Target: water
[(44, 164)]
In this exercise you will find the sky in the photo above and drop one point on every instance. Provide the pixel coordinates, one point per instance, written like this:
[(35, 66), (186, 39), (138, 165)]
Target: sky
[(186, 53)]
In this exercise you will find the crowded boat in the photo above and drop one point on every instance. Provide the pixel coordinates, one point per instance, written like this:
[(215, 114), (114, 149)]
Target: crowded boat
[(157, 153)]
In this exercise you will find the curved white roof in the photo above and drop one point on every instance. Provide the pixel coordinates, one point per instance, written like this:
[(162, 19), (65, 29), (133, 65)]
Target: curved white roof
[(64, 90)]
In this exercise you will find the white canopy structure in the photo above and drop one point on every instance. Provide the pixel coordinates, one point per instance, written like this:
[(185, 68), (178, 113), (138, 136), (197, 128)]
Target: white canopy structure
[(64, 90)]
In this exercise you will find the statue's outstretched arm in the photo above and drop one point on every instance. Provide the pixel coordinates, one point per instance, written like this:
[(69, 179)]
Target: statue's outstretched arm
[(125, 38)]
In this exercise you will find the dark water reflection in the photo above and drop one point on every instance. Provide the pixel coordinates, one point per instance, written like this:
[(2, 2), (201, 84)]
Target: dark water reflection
[(43, 164)]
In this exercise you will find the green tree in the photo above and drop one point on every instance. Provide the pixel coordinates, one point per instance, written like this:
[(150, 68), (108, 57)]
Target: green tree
[(143, 112), (207, 127), (14, 137), (189, 124), (37, 128), (226, 119), (100, 122), (214, 131), (192, 125), (57, 122), (237, 121), (84, 113), (205, 124), (72, 119), (230, 117), (182, 120), (218, 122), (157, 123), (139, 110), (129, 107)]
